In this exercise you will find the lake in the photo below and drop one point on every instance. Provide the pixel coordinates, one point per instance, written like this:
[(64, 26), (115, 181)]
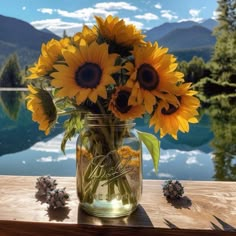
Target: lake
[(207, 152)]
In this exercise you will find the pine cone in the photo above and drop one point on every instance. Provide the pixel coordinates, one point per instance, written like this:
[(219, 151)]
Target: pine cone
[(45, 184), (57, 198), (173, 189)]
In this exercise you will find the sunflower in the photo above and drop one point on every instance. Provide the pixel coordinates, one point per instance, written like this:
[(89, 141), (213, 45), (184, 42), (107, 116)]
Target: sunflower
[(50, 52), (152, 76), (83, 153), (88, 71), (119, 105), (169, 118), (89, 35), (129, 156), (121, 37), (41, 105)]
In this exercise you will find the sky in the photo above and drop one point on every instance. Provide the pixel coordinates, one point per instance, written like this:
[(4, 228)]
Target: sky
[(71, 15)]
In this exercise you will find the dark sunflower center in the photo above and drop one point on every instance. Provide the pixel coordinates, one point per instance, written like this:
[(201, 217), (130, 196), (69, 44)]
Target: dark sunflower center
[(147, 77), (122, 101), (48, 105), (88, 75), (172, 109)]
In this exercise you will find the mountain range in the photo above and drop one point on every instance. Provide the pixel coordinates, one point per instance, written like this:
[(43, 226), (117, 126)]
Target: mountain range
[(184, 39), (22, 38), (159, 32)]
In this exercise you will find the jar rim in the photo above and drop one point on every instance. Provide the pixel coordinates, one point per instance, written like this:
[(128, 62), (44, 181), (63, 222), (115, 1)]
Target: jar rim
[(92, 119)]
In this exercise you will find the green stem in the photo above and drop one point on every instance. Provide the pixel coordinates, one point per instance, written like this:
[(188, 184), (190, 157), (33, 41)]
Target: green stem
[(101, 107), (64, 113), (100, 168)]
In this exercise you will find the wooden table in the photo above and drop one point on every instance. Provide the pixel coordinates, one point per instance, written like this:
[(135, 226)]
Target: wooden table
[(207, 208)]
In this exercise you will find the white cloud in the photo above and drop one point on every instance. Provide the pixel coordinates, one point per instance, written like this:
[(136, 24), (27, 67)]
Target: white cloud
[(167, 156), (168, 14), (85, 14), (24, 8), (158, 6), (116, 6), (191, 19), (57, 26), (194, 12), (193, 161), (189, 153), (53, 145), (147, 16), (164, 175), (66, 157), (146, 154), (57, 159), (45, 159), (46, 10), (215, 15), (138, 24), (146, 157)]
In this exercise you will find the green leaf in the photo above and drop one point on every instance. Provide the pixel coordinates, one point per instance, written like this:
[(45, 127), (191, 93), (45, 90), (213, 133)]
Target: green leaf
[(153, 145), (72, 126)]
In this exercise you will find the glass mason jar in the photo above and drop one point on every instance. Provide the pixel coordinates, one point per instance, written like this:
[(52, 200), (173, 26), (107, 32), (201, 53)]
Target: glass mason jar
[(108, 166)]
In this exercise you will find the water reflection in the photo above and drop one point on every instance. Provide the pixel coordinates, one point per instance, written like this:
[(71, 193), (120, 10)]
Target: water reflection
[(209, 148), (223, 124), (11, 102), (17, 131)]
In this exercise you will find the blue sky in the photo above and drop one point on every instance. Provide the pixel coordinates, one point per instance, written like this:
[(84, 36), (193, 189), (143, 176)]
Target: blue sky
[(57, 15)]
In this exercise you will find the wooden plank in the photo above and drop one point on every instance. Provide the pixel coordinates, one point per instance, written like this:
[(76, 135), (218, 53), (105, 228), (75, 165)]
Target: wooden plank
[(206, 208), (23, 228)]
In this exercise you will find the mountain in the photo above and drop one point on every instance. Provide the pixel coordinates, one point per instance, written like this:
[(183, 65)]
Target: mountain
[(193, 37), (21, 37), (160, 31), (209, 24), (21, 33), (47, 31), (185, 39)]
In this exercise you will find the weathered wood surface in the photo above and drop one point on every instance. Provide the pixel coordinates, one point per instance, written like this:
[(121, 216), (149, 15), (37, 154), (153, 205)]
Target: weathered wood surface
[(207, 208)]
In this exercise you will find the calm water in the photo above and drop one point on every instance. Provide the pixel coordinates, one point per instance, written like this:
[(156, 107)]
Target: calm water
[(207, 152)]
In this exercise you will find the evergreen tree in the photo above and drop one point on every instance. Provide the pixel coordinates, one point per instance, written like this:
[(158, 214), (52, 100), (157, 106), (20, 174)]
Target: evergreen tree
[(194, 70), (64, 34), (226, 15), (224, 57), (11, 75), (222, 80)]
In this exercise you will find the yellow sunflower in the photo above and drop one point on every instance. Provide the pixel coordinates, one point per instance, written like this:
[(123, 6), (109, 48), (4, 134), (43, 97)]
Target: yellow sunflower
[(89, 35), (41, 105), (83, 153), (129, 156), (169, 118), (88, 72), (50, 52), (152, 76), (119, 105), (120, 36)]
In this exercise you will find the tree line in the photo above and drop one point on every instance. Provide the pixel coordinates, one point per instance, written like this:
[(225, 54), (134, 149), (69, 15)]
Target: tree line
[(11, 74)]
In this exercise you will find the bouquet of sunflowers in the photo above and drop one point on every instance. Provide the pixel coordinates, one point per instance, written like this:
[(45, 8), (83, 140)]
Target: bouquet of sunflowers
[(110, 69)]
